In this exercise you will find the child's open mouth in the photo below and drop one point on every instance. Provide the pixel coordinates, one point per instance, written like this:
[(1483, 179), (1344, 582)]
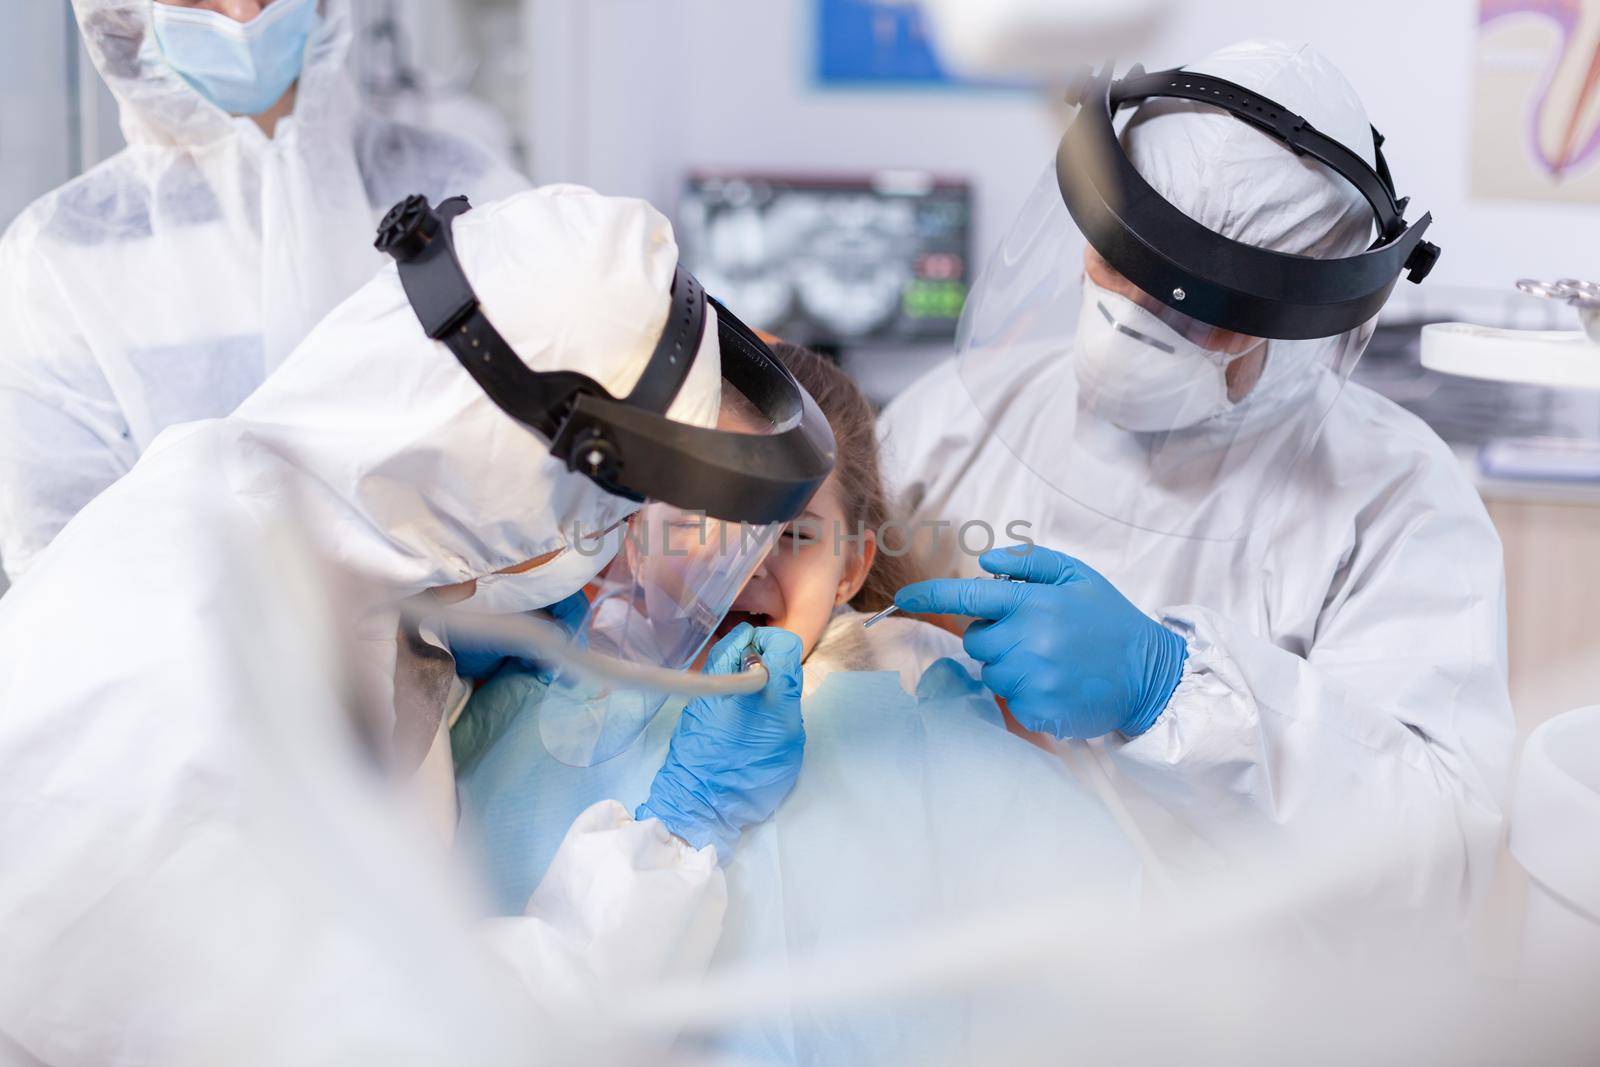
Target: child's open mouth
[(734, 618)]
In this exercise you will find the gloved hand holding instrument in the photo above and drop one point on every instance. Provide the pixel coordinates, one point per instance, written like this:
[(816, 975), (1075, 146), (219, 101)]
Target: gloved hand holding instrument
[(733, 758), (1070, 655)]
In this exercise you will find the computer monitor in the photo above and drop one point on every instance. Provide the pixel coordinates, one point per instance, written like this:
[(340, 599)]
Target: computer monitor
[(832, 261)]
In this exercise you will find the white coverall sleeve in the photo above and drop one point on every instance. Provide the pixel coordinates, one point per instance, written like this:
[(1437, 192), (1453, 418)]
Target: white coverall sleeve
[(623, 903), (1395, 725), (63, 438)]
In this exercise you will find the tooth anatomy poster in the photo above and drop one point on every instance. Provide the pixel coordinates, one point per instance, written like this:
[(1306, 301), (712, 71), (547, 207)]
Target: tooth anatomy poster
[(1536, 101)]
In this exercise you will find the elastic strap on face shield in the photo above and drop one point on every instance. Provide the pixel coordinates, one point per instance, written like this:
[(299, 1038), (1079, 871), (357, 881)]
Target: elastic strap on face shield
[(1201, 273), (750, 367), (1375, 184), (1280, 123), (419, 237)]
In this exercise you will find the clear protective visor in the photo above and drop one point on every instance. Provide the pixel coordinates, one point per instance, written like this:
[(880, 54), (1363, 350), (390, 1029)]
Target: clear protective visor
[(1130, 410), (659, 602)]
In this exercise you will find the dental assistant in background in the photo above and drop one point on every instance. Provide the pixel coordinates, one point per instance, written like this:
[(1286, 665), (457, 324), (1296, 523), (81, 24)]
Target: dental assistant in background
[(166, 283), (1270, 594)]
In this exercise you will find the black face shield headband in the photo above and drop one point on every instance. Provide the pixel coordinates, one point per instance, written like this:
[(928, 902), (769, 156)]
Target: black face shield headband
[(1197, 271), (627, 446)]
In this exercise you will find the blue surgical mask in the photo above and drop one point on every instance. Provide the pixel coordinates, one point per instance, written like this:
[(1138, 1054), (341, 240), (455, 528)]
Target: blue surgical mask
[(242, 67)]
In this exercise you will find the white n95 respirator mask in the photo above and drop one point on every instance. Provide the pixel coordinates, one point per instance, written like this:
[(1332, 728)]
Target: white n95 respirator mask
[(242, 67), (1140, 374)]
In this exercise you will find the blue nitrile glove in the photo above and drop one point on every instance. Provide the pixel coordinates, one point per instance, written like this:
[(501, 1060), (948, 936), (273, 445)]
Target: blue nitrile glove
[(477, 660), (733, 759), (1069, 654)]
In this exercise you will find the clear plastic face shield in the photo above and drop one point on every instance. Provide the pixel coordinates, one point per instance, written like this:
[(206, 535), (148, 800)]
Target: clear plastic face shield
[(1220, 345), (659, 602), (1129, 407), (657, 605)]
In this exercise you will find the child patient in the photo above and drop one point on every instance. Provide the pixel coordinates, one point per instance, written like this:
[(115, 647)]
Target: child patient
[(828, 569), (914, 809)]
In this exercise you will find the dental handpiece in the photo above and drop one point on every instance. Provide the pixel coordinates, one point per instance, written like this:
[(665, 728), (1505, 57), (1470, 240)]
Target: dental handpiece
[(893, 608), (753, 667)]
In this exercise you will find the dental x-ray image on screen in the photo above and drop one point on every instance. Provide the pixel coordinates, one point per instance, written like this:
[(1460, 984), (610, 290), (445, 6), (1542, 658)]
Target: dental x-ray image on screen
[(837, 261)]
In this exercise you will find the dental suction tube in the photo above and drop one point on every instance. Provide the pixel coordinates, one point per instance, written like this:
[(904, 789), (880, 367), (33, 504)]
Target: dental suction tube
[(545, 642)]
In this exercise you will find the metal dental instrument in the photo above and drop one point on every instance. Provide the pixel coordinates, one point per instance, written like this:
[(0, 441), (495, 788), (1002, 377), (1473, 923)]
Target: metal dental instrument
[(885, 613), (892, 608)]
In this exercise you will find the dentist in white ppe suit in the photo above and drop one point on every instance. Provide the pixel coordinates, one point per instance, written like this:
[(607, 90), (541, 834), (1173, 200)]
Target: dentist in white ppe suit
[(134, 898), (164, 284), (1269, 599)]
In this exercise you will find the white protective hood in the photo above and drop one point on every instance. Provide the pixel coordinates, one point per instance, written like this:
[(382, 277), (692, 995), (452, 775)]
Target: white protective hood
[(1244, 184), (128, 733)]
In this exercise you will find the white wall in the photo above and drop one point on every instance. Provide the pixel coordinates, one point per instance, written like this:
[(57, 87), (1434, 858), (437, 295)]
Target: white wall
[(53, 109), (56, 115), (634, 93), (630, 94), (35, 153)]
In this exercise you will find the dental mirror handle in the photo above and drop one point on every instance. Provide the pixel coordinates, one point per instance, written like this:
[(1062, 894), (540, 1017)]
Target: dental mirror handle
[(893, 608)]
